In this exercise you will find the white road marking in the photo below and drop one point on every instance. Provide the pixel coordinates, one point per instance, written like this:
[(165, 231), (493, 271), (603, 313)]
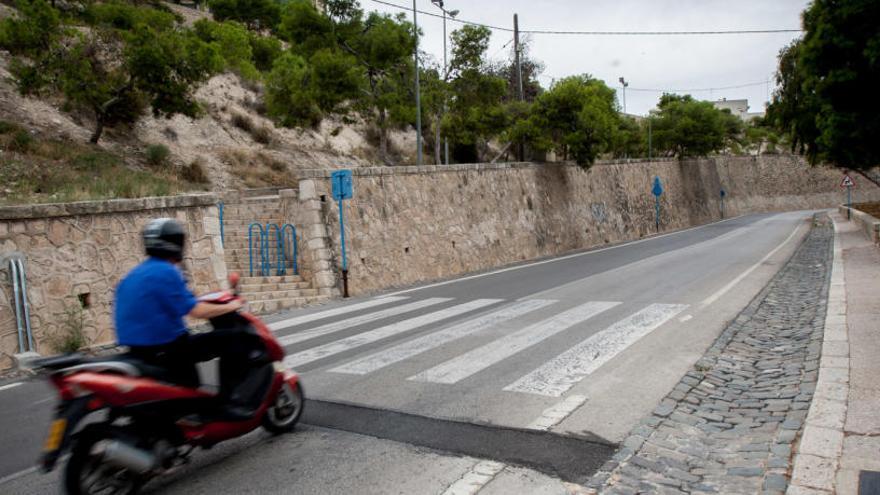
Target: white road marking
[(558, 375), (359, 320), (361, 339), (717, 295), (561, 258), (433, 340), (482, 357), (476, 478), (686, 318), (554, 415), (10, 385), (299, 320), (25, 472)]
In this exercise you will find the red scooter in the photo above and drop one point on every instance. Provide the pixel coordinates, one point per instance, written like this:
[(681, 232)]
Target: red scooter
[(139, 424)]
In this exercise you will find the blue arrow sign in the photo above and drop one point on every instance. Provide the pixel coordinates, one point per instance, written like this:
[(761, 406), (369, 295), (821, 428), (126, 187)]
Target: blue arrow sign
[(658, 187)]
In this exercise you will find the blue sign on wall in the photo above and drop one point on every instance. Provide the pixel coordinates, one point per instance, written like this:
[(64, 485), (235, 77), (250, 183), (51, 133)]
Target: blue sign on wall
[(342, 185), (723, 193), (658, 187)]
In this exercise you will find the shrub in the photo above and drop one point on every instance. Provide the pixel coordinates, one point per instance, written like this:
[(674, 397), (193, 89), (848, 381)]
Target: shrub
[(195, 173), (21, 141), (243, 122), (7, 127), (262, 135), (158, 154), (72, 336)]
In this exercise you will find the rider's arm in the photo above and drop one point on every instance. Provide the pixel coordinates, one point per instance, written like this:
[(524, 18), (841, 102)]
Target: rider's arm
[(206, 311)]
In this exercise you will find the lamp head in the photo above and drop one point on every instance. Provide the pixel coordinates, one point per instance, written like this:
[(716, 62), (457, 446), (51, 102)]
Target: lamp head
[(453, 13)]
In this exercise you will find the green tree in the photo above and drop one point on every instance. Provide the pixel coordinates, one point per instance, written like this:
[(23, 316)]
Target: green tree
[(255, 14), (827, 102), (630, 139), (265, 49), (687, 127), (36, 28), (289, 96), (577, 118), (234, 43), (475, 112)]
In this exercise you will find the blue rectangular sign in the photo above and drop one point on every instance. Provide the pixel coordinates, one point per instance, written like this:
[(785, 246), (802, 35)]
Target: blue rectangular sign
[(342, 185)]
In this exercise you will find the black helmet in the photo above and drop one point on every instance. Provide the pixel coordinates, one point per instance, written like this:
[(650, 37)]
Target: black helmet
[(163, 238)]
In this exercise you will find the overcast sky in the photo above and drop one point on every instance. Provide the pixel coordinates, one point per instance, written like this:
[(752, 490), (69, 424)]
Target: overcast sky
[(646, 62)]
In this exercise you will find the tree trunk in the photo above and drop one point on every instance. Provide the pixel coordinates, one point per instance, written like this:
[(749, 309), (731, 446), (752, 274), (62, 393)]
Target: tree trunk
[(99, 130), (383, 136), (437, 143)]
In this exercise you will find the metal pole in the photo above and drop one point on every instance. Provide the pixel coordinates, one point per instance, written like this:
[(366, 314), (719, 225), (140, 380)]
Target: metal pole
[(445, 98), (418, 93), (519, 79), (657, 209), (849, 202), (344, 259)]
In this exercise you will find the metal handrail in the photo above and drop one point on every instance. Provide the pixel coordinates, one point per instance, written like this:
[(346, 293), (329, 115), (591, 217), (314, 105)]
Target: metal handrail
[(18, 275), (279, 240), (251, 246), (293, 244), (222, 236)]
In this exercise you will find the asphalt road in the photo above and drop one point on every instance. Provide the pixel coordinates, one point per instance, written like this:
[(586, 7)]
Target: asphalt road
[(528, 367)]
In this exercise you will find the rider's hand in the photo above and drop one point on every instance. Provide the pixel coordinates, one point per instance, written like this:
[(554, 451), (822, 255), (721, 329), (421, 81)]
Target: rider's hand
[(235, 305)]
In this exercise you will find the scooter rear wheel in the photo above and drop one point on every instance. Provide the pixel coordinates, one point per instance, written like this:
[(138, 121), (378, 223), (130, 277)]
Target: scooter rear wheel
[(87, 474), (284, 414)]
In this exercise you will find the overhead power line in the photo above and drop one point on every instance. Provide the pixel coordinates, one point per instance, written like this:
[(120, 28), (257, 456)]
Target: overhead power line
[(595, 33), (698, 90)]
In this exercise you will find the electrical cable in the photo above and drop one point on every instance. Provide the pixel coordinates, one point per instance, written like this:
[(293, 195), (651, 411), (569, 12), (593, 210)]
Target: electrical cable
[(594, 33)]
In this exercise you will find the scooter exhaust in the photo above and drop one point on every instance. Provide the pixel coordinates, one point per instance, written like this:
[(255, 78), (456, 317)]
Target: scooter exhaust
[(122, 455)]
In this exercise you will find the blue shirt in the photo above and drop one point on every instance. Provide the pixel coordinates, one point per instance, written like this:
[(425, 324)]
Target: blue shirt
[(151, 302)]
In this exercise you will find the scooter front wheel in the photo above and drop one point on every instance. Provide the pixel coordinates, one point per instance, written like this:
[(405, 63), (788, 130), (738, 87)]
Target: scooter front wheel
[(284, 414)]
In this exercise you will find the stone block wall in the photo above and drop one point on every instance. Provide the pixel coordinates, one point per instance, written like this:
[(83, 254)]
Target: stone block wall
[(413, 224), (75, 249)]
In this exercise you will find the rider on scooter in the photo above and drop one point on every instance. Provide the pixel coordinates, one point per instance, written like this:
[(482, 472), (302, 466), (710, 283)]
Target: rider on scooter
[(151, 302)]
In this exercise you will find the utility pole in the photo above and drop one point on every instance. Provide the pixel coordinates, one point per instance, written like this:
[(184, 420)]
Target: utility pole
[(418, 92), (452, 14), (624, 84), (519, 82)]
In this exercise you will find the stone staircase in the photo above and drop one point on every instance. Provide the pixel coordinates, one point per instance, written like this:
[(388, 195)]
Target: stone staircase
[(265, 294)]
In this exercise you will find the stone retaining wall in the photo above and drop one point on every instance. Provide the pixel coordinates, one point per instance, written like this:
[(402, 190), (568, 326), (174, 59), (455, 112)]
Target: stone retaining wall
[(867, 223), (81, 250), (412, 224)]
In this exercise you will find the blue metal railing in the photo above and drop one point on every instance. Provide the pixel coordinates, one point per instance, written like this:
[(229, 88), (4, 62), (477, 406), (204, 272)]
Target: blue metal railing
[(282, 247), (292, 250)]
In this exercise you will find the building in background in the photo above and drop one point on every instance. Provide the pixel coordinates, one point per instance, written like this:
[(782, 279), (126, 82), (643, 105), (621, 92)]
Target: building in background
[(740, 108)]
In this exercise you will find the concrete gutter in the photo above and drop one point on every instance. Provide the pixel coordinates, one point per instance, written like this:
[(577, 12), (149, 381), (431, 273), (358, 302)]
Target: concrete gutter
[(869, 225)]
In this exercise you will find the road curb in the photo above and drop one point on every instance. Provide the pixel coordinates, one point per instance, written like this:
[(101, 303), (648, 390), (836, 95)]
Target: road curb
[(631, 465), (818, 451)]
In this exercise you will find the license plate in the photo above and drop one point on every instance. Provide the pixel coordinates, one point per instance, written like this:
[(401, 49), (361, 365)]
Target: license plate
[(56, 435)]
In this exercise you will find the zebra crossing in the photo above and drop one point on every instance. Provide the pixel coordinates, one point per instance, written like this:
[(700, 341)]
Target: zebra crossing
[(460, 320)]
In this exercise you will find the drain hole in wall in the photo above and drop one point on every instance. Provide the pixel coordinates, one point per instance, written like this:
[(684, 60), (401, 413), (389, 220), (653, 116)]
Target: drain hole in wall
[(453, 244), (363, 261), (323, 198), (406, 250), (85, 299)]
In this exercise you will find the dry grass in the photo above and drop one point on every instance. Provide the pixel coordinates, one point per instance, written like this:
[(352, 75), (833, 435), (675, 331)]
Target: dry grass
[(34, 170), (872, 209), (257, 169)]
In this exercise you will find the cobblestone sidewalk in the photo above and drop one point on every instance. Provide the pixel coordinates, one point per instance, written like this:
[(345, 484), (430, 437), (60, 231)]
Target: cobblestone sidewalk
[(729, 425)]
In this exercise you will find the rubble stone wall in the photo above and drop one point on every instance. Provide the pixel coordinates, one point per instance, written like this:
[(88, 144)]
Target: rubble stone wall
[(79, 251), (413, 224)]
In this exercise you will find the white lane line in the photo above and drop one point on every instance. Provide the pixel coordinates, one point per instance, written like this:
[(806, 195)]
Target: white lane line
[(359, 320), (561, 258), (361, 339), (476, 478), (482, 357), (10, 385), (299, 320), (558, 375), (408, 349), (25, 472), (554, 415), (717, 295)]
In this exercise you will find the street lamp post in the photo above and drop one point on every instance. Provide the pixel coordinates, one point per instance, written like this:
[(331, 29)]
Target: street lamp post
[(624, 84), (452, 14), (418, 92)]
